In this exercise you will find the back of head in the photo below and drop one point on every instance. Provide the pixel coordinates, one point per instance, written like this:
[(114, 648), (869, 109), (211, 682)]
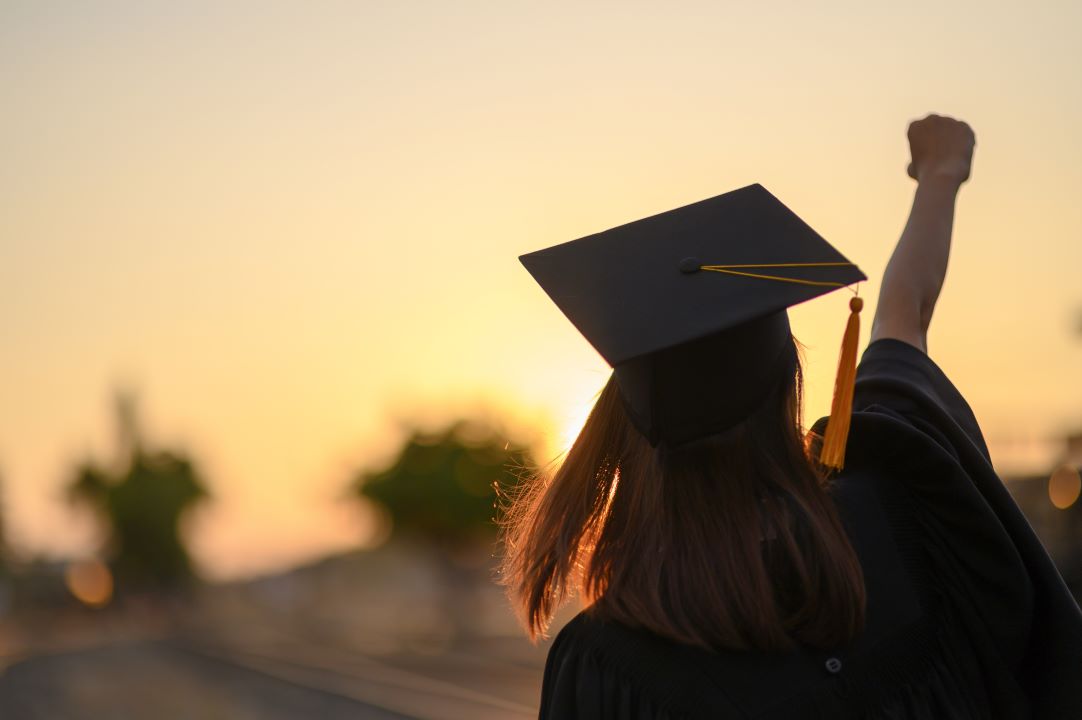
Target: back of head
[(729, 539), (687, 504)]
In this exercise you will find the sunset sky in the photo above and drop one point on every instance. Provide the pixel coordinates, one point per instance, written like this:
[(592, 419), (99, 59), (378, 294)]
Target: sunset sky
[(293, 228)]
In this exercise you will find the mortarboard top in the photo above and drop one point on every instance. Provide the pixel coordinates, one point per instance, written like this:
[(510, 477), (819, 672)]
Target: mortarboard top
[(628, 292), (693, 299)]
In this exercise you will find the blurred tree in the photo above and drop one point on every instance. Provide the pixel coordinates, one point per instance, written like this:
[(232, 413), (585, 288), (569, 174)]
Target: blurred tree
[(442, 485), (141, 505)]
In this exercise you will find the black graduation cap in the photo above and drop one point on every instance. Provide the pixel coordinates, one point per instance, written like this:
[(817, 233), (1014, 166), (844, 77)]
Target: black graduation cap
[(689, 306)]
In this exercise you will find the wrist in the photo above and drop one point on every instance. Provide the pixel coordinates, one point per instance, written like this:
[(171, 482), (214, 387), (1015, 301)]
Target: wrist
[(941, 180)]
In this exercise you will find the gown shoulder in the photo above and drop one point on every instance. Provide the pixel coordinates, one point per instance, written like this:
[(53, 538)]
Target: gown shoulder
[(590, 674), (913, 428)]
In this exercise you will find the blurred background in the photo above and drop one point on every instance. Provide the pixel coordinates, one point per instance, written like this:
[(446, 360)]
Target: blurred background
[(266, 349)]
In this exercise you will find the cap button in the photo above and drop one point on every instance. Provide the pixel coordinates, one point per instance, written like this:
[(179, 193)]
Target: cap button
[(834, 665), (690, 265)]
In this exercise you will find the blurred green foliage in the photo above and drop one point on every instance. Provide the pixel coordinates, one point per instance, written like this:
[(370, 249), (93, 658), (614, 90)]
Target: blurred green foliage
[(141, 505), (442, 486)]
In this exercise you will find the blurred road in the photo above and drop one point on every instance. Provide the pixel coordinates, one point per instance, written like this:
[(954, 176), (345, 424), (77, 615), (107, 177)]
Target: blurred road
[(152, 680), (394, 633), (167, 679)]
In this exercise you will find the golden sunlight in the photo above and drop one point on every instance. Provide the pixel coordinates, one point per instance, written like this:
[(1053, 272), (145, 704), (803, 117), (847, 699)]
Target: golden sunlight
[(573, 425)]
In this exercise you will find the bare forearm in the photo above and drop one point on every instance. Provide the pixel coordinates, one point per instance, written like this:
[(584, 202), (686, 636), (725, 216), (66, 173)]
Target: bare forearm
[(914, 276), (942, 154)]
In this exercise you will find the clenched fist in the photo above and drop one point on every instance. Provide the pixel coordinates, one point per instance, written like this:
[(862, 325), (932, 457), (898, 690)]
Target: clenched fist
[(941, 147)]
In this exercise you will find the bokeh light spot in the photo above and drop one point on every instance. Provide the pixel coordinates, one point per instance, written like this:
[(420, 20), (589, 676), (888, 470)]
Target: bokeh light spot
[(90, 582), (1064, 486)]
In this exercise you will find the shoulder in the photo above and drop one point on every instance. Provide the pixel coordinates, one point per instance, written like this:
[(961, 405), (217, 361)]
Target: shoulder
[(915, 435), (588, 674), (913, 429), (916, 450), (602, 669), (896, 378)]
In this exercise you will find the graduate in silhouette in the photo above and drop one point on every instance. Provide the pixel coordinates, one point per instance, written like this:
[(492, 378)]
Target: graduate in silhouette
[(735, 566)]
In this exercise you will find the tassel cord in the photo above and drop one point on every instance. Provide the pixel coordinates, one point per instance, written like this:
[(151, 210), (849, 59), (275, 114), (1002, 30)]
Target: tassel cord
[(832, 454)]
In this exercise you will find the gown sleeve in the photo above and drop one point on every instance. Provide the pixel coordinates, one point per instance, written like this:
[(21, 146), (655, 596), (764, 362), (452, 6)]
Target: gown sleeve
[(912, 417)]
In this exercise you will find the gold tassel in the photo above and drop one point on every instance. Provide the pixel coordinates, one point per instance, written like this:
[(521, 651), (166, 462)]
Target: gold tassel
[(832, 454)]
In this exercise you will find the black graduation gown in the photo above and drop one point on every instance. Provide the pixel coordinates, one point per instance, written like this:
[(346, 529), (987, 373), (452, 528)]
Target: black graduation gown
[(967, 616)]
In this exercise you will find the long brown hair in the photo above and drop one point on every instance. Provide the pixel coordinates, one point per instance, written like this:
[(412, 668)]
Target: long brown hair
[(732, 541)]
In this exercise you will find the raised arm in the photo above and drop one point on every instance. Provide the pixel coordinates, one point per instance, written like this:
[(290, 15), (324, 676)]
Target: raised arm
[(942, 151)]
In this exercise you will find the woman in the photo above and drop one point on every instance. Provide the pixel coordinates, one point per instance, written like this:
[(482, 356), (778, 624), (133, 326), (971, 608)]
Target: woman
[(730, 569)]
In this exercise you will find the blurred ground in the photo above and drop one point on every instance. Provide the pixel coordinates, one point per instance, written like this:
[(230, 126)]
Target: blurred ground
[(403, 632)]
